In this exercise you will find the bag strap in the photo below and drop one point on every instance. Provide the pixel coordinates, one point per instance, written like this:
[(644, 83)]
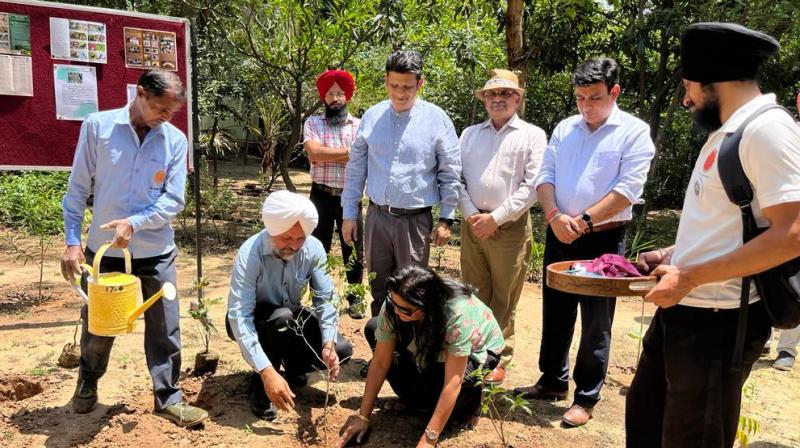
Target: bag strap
[(738, 189)]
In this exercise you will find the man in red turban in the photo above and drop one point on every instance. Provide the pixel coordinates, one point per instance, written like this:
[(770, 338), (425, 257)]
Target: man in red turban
[(327, 139)]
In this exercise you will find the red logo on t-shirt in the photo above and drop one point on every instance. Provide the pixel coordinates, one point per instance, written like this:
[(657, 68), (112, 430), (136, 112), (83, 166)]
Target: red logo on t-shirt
[(710, 160)]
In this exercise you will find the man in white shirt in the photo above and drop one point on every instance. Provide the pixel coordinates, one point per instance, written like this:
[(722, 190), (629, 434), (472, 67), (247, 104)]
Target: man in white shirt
[(687, 389), (500, 158), (594, 170)]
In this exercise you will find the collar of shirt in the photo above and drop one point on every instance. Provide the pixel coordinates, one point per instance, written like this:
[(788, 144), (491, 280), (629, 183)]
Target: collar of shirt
[(744, 112), (513, 122), (614, 119), (124, 118)]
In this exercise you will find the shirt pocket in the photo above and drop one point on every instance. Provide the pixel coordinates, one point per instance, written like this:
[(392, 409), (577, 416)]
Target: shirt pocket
[(301, 280), (605, 164), (155, 181)]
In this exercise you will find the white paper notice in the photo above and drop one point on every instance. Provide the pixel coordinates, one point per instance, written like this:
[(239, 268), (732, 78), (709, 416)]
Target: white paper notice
[(76, 91), (59, 38), (16, 75), (131, 92)]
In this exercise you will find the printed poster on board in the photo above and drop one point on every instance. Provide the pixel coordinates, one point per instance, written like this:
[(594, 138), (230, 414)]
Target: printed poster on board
[(76, 91), (147, 49), (15, 34), (78, 40)]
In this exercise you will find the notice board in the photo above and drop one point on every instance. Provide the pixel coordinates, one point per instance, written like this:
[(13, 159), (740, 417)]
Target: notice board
[(31, 135)]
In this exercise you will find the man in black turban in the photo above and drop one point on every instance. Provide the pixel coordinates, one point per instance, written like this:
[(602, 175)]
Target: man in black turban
[(687, 388)]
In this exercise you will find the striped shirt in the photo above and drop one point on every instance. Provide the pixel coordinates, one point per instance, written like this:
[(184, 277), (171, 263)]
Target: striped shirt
[(317, 129)]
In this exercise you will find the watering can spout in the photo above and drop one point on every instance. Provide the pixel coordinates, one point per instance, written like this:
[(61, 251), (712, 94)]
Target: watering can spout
[(167, 291)]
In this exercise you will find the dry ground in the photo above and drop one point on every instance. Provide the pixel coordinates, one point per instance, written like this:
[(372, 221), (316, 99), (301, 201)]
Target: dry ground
[(35, 393)]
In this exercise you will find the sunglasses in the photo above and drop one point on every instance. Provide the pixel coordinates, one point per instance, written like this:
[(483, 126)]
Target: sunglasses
[(403, 310), (502, 94)]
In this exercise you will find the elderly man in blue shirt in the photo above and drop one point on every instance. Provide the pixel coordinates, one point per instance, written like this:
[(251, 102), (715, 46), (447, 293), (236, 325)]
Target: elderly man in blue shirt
[(593, 171), (272, 271), (407, 152), (137, 162)]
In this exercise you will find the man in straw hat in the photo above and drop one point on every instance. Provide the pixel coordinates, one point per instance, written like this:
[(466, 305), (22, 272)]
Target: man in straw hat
[(327, 141), (594, 170), (499, 161), (272, 271), (130, 166), (688, 385)]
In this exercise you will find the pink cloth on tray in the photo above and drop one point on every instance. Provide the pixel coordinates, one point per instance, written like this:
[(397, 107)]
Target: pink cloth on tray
[(610, 265)]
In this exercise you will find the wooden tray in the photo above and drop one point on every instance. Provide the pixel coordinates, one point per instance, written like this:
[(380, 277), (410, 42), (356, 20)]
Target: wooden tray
[(557, 278)]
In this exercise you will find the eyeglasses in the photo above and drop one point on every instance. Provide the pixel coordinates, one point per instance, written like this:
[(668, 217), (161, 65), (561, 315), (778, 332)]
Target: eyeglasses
[(501, 93), (403, 310)]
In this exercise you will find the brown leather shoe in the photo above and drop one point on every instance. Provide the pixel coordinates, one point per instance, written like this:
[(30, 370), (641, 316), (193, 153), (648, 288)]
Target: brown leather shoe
[(576, 416), (539, 392), (496, 376)]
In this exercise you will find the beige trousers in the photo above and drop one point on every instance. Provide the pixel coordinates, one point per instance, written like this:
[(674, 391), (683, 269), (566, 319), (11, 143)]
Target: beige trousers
[(497, 268)]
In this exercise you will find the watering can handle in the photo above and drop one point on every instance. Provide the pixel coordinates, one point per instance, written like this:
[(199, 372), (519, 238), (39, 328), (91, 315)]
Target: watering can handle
[(99, 255)]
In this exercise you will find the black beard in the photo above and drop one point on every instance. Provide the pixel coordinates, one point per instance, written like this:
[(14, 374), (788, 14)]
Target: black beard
[(335, 115), (708, 117)]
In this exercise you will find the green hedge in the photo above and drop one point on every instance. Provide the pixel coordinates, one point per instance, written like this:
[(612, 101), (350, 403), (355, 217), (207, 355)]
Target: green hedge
[(31, 201)]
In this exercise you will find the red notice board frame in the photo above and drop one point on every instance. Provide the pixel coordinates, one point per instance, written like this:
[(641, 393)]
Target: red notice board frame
[(31, 138)]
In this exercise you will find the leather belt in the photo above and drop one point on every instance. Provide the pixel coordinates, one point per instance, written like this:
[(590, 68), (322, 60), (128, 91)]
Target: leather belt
[(330, 190), (400, 211), (608, 226)]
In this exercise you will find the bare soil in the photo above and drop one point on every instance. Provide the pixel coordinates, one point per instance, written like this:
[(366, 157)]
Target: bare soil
[(35, 393)]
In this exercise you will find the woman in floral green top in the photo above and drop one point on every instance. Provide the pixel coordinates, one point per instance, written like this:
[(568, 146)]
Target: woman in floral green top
[(429, 336)]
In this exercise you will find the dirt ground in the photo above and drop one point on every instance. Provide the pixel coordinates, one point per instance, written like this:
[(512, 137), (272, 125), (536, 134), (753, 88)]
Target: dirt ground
[(35, 393)]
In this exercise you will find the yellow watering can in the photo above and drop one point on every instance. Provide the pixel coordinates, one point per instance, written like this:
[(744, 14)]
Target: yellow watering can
[(114, 297)]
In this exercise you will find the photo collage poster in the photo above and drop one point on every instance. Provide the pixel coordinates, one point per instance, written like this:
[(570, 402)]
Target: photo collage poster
[(150, 49), (78, 40)]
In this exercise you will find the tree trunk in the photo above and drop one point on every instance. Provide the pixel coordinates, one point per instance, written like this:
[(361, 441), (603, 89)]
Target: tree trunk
[(515, 47)]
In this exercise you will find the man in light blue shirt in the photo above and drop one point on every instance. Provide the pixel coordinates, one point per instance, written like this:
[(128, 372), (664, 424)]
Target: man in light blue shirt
[(136, 161), (272, 271), (594, 170), (407, 153)]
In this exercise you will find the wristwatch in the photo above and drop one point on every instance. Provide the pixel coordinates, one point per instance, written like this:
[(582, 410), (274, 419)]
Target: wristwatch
[(588, 220), (431, 435)]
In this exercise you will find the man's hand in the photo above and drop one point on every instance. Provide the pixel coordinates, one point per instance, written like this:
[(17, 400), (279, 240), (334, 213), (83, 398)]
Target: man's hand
[(441, 233), (349, 231), (331, 360), (123, 230), (673, 285), (566, 229), (353, 427), (483, 225), (648, 261), (277, 389), (71, 262)]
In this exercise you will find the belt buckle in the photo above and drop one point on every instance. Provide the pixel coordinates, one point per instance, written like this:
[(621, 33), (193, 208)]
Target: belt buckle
[(389, 210)]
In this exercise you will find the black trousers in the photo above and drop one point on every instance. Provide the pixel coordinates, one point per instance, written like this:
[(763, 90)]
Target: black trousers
[(329, 208), (282, 339), (560, 311), (419, 388), (685, 392), (162, 330)]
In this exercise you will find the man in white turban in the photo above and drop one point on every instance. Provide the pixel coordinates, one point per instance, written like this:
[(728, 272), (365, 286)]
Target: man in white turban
[(272, 271)]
